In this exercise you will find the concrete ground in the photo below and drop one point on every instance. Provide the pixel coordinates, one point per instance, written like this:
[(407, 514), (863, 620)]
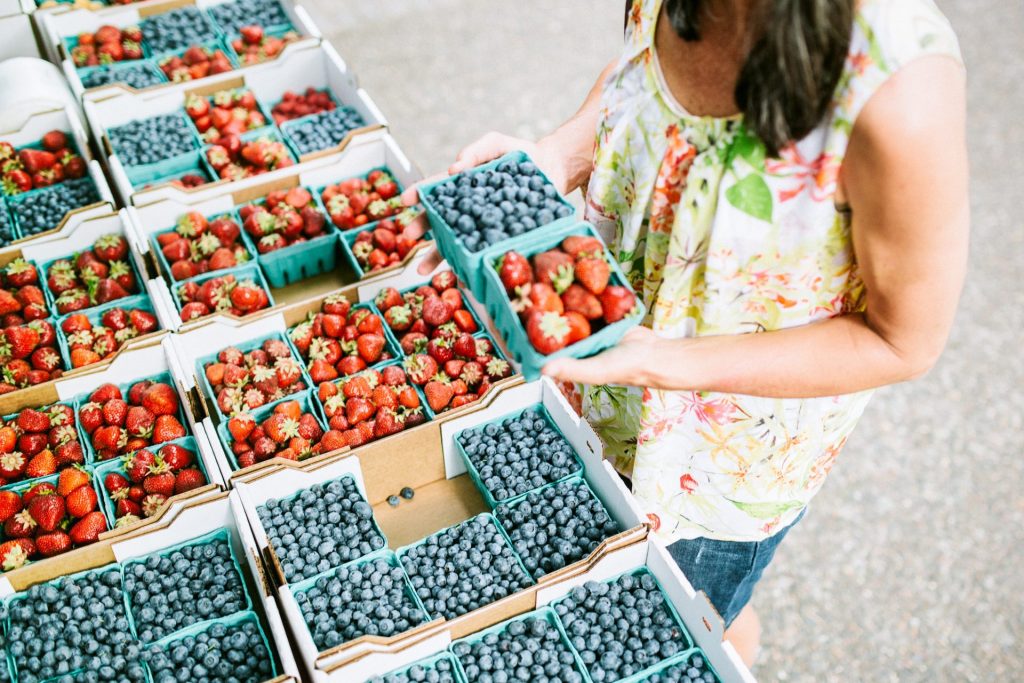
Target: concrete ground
[(909, 566)]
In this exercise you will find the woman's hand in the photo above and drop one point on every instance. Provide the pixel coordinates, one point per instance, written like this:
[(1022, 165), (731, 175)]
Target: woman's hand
[(488, 148), (627, 363)]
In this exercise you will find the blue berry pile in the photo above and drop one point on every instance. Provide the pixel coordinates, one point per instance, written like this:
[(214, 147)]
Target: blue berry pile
[(231, 16), (148, 141), (6, 225), (74, 624), (135, 75), (530, 650), (485, 207), (556, 526), (463, 568), (518, 454), (176, 30), (326, 129), (694, 669), (622, 627), (322, 527), (233, 654), (45, 209), (366, 599), (191, 584), (439, 671)]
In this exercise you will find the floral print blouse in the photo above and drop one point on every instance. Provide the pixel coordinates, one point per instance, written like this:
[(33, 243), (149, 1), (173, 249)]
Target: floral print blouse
[(719, 239)]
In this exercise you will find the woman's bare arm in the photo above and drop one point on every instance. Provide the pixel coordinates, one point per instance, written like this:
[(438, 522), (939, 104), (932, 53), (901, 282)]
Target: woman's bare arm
[(905, 177)]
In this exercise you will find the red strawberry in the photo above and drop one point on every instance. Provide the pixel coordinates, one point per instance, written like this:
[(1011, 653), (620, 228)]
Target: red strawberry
[(617, 302), (464, 320), (393, 375), (436, 311), (116, 485), (47, 510), (162, 483), (167, 428), (31, 420), (579, 326), (42, 464), (126, 507), (54, 140), (593, 274), (582, 245), (420, 368), (115, 412), (71, 479), (188, 479), (370, 346), (438, 394), (160, 399), (582, 301), (53, 543), (554, 268), (81, 501), (88, 529), (14, 554), (547, 331), (176, 457), (514, 271), (10, 505)]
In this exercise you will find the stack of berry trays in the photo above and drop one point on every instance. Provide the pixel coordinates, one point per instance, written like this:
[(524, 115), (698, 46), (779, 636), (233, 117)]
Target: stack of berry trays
[(470, 215)]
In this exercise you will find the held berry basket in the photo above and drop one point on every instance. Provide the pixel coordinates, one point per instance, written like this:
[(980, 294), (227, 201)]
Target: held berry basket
[(468, 263), (499, 306), (474, 472)]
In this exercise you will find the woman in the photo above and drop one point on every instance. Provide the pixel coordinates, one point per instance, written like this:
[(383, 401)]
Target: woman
[(785, 184)]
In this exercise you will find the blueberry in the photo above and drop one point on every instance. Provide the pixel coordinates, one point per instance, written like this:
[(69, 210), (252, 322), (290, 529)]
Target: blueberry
[(220, 652), (44, 209), (6, 224), (177, 30), (464, 567), (364, 599), (205, 584), (556, 526), (137, 76), (529, 649), (621, 627), (320, 528), (326, 129), (407, 493), (147, 141), (440, 671), (518, 455), (231, 16), (393, 501)]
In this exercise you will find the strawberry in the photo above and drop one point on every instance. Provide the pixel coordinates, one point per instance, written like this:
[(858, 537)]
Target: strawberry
[(167, 428), (14, 554), (162, 483), (10, 505), (176, 457), (582, 245), (420, 368), (188, 479), (70, 479), (116, 485), (370, 346), (617, 302), (438, 394), (593, 273), (22, 341), (81, 501), (436, 311), (47, 510), (580, 300), (54, 140), (88, 529), (42, 464), (393, 375), (36, 160), (111, 247), (241, 426), (31, 420), (115, 412), (69, 453), (579, 326), (125, 507), (464, 320), (160, 399), (139, 422), (514, 271), (554, 268), (139, 466), (547, 331)]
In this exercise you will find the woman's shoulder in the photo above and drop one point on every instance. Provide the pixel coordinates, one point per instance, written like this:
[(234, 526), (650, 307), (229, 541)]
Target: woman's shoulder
[(891, 33), (887, 35)]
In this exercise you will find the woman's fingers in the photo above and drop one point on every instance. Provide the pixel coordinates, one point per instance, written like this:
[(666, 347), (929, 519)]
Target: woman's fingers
[(489, 147), (411, 196)]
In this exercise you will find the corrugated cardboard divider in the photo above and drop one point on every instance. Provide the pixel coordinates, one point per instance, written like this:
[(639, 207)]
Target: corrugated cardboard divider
[(211, 88)]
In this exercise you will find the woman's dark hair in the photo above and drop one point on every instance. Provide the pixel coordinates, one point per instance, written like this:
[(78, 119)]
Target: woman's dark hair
[(790, 76)]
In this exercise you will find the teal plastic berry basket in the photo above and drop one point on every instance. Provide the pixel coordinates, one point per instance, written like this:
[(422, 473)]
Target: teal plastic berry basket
[(499, 306), (95, 314), (105, 467), (474, 473), (245, 347), (305, 400), (376, 527), (322, 413), (468, 264), (210, 45), (250, 250), (221, 534), (237, 619), (347, 239), (384, 554), (545, 613), (319, 191), (249, 271), (487, 517), (666, 604), (82, 399), (326, 89), (390, 342), (300, 261), (71, 42), (465, 304), (44, 270), (270, 133), (680, 660), (268, 121), (156, 76)]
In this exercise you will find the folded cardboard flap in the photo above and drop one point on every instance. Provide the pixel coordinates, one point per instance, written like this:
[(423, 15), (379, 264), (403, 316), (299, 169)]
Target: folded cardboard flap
[(208, 89), (374, 659)]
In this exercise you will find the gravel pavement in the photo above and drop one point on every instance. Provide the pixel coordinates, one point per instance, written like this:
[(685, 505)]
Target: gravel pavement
[(909, 566)]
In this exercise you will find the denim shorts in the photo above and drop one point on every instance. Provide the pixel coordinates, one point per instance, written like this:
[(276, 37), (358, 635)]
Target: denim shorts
[(727, 571)]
